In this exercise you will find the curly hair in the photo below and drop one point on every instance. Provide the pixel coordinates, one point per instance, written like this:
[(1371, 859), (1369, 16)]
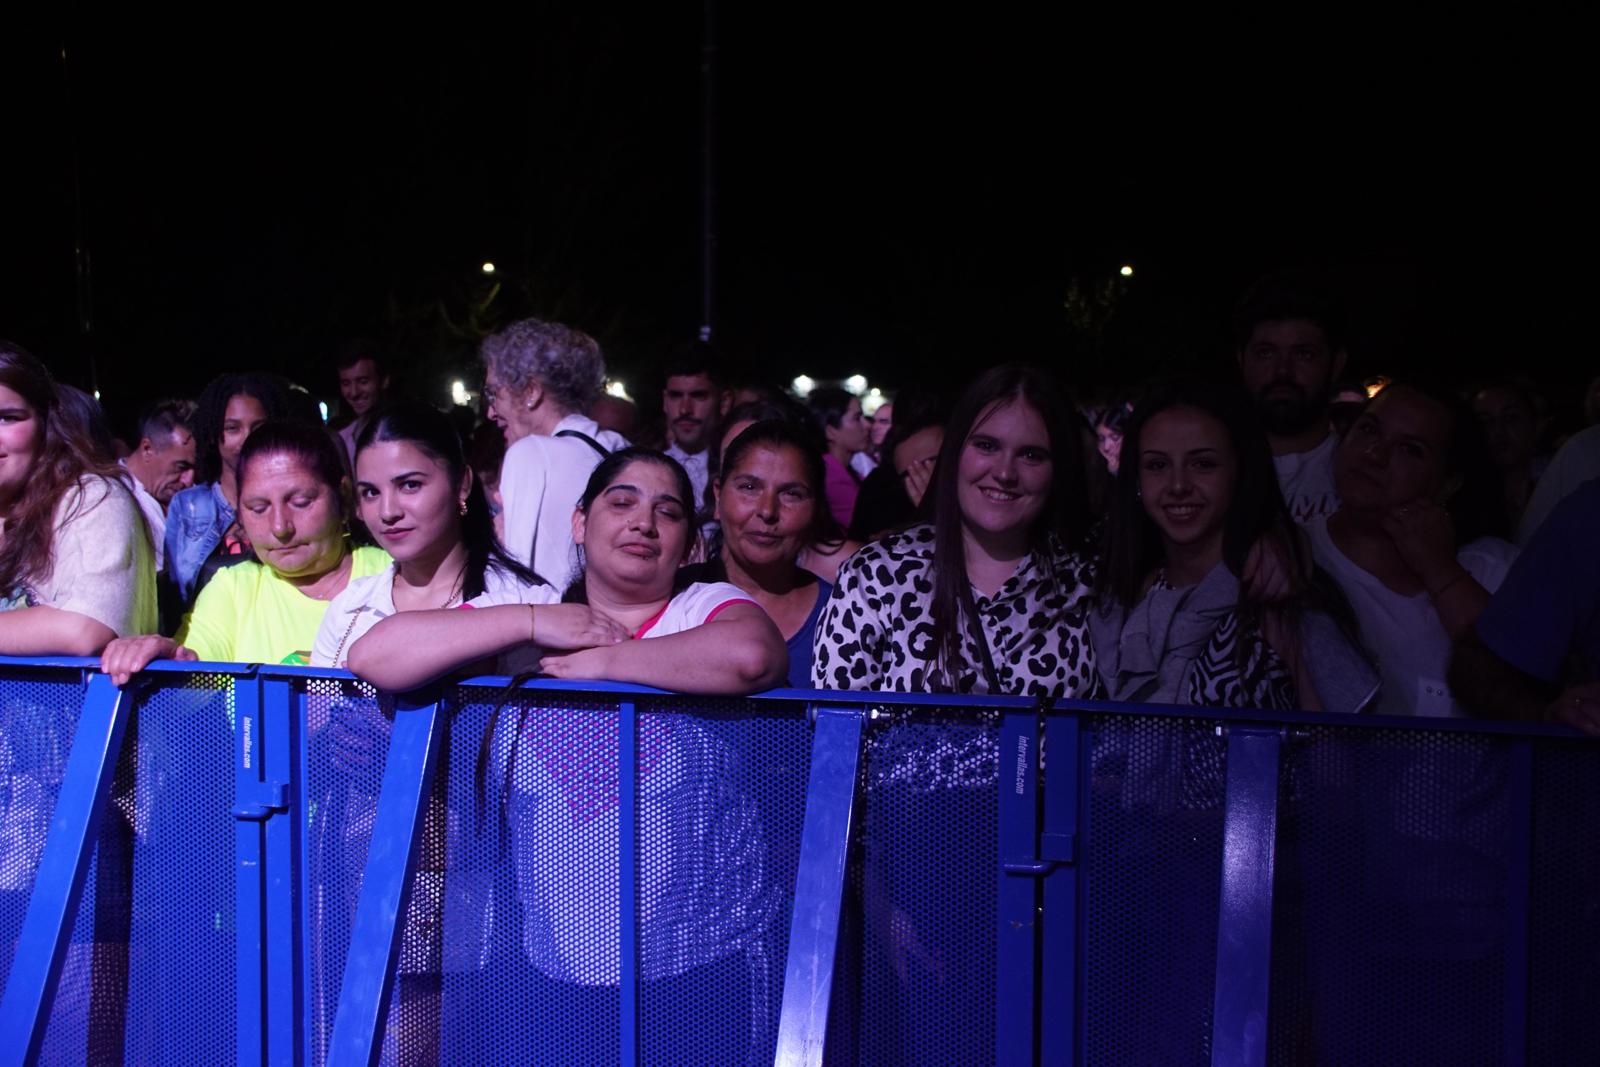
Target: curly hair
[(211, 411), (565, 362), (66, 453)]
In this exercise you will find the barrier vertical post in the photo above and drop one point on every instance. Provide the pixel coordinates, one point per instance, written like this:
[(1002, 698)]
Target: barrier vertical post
[(1017, 897), (63, 868), (627, 881), (819, 886), (281, 720), (1063, 779), (1244, 918), (386, 883)]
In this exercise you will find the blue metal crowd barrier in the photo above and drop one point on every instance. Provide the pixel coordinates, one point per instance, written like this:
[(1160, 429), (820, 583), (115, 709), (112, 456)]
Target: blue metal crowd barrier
[(278, 865)]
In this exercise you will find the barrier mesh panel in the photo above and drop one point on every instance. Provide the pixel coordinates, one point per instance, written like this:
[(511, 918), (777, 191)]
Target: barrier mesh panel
[(524, 886), (721, 796), (173, 803), (38, 719), (1393, 874), (916, 977), (1151, 865), (1564, 931)]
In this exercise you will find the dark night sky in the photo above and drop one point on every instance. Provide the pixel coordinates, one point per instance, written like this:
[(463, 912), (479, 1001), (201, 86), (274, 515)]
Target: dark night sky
[(894, 197)]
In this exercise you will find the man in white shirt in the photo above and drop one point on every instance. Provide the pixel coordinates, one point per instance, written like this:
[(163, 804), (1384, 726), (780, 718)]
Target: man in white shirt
[(1291, 349), (363, 381), (694, 401), (161, 464), (538, 379)]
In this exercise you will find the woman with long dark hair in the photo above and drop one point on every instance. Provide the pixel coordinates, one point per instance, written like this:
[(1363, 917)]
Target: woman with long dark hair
[(1196, 492), (991, 597), (416, 494), (76, 566)]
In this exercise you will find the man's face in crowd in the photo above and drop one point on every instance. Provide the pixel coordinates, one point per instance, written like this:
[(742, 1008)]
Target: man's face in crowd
[(692, 404), (166, 466), (1288, 366), (361, 385)]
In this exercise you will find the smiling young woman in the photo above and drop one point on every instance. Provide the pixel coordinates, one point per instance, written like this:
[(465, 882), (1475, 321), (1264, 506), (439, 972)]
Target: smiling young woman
[(416, 494), (1172, 623)]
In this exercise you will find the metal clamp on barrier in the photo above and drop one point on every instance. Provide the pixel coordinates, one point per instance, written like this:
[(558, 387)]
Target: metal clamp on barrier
[(260, 800)]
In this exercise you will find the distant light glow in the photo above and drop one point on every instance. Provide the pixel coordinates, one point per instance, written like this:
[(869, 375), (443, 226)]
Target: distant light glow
[(322, 406), (488, 268), (856, 383), (617, 389), (459, 394), (803, 385), (97, 394), (1375, 385), (1126, 272)]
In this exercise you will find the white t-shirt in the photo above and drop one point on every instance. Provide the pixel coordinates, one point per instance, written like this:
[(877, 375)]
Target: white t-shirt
[(541, 481), (104, 566), (1404, 634), (366, 602), (863, 464), (155, 516), (702, 890), (1577, 462), (1306, 479)]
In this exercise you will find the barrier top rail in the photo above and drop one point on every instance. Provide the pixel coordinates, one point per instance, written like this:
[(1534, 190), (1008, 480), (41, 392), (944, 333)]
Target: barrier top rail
[(857, 698)]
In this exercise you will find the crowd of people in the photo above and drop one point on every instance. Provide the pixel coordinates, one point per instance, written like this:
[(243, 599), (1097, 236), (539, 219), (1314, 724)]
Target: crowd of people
[(1258, 542), (1283, 539)]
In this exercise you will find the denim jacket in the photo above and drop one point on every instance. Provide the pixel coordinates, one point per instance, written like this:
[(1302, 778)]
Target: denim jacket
[(196, 520)]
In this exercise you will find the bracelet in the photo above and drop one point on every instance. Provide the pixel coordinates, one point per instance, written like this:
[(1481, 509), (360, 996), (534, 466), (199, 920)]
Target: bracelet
[(1439, 592)]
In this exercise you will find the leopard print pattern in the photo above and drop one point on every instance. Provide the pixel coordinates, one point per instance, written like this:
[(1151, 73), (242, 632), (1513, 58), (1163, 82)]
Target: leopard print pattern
[(876, 632)]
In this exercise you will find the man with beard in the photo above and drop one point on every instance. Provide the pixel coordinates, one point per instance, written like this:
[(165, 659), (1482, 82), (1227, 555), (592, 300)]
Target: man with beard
[(694, 402), (1290, 350)]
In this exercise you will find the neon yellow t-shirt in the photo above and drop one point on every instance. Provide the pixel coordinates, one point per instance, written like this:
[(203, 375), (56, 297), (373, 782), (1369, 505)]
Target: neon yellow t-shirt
[(247, 614)]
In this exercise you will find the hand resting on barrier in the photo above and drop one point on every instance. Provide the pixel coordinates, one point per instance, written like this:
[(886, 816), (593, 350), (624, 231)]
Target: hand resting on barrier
[(127, 656)]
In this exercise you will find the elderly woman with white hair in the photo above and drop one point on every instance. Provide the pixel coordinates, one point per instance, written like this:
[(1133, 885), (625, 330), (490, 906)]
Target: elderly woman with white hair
[(540, 379)]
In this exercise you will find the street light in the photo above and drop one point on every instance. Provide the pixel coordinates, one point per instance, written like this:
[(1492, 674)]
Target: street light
[(856, 383), (618, 390), (803, 386), (488, 268), (459, 394), (1126, 271)]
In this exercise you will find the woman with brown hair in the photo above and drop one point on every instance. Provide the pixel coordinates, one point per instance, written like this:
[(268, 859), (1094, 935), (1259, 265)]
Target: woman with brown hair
[(76, 566)]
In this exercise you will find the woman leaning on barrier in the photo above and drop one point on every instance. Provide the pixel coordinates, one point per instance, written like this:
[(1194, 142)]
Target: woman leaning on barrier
[(706, 909), (76, 565), (293, 503)]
